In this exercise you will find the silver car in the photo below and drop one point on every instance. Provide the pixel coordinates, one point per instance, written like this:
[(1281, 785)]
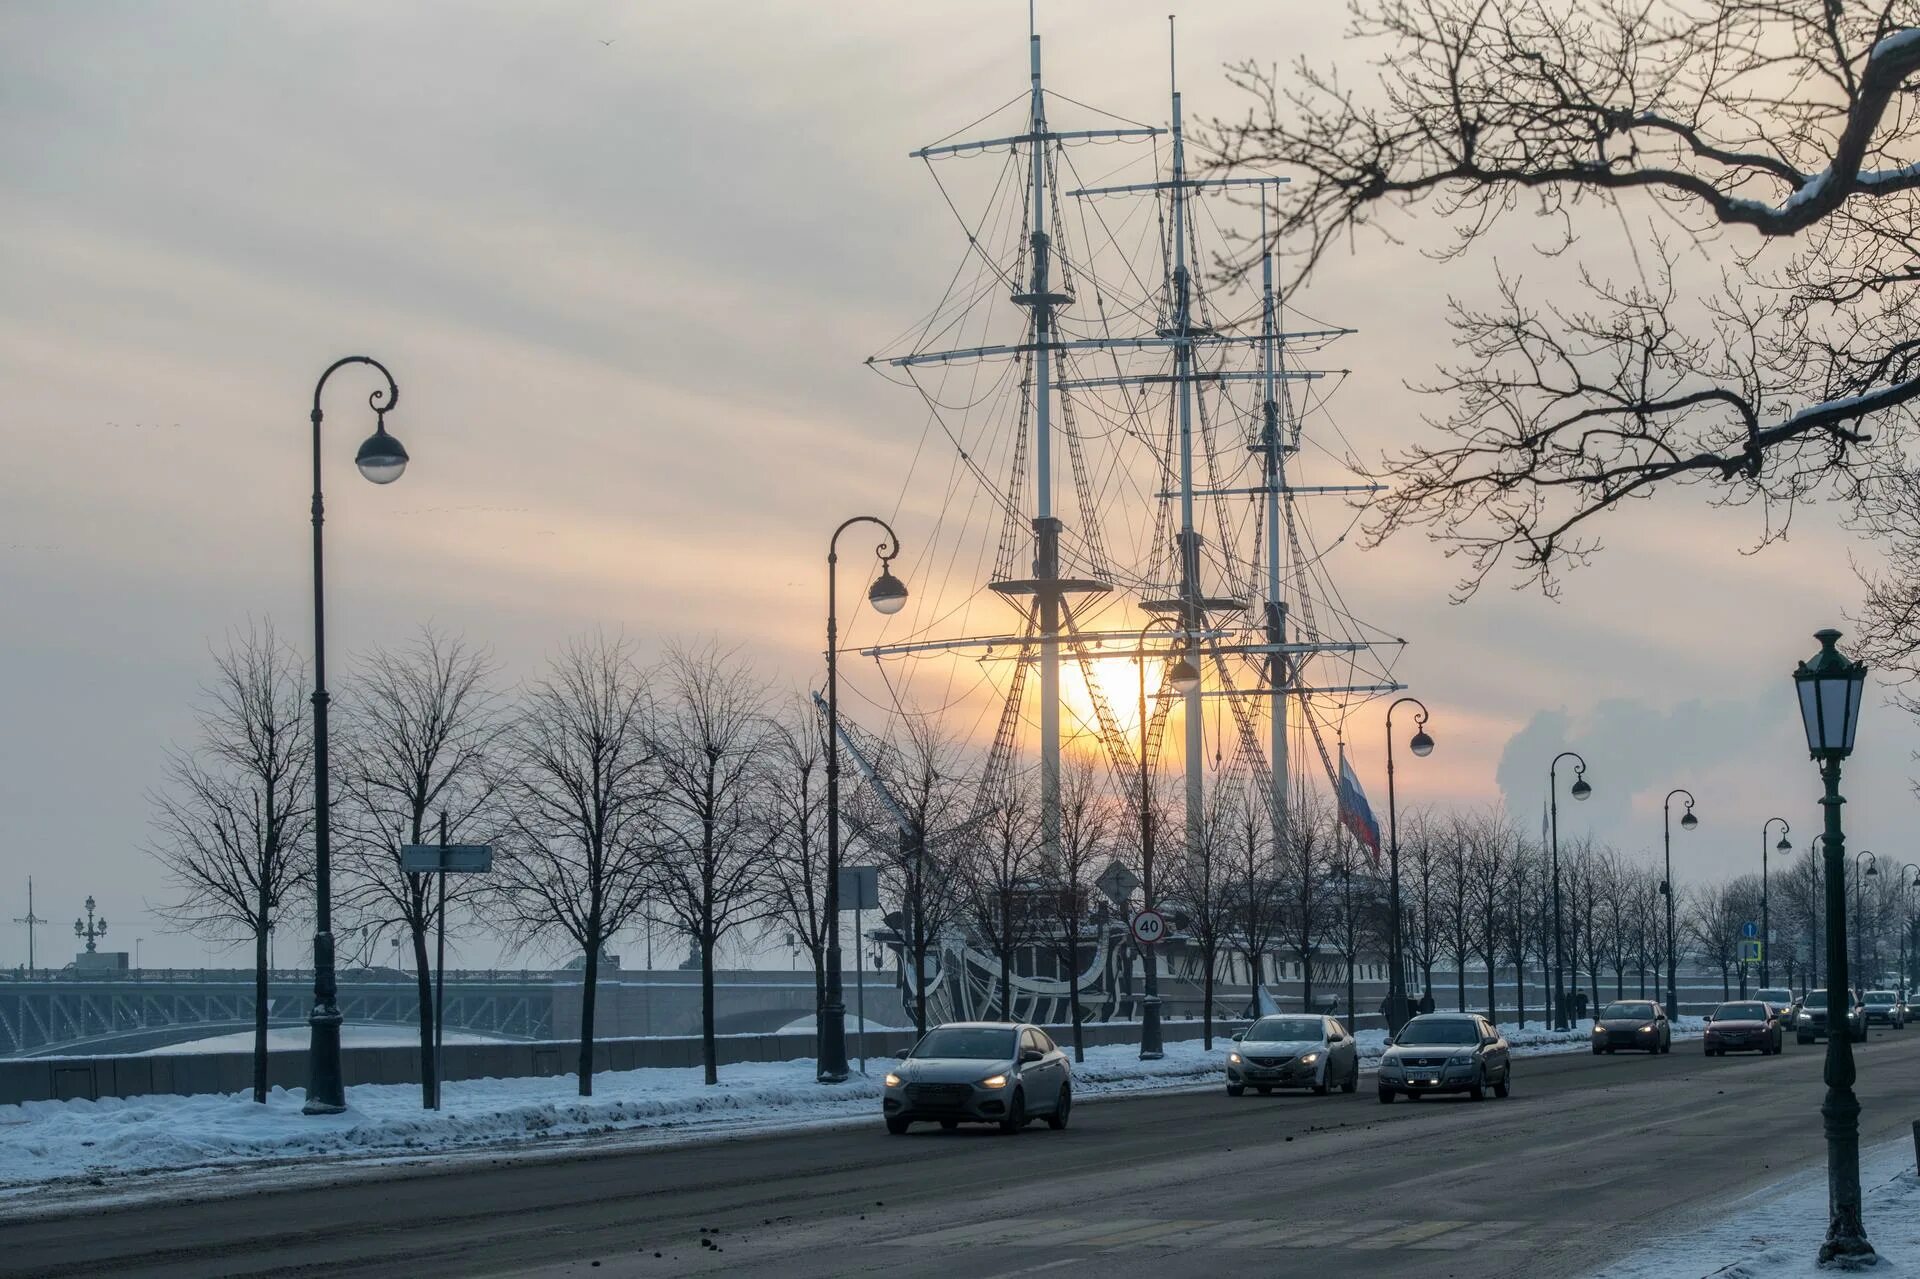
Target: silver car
[(1293, 1052), (1446, 1052), (980, 1072)]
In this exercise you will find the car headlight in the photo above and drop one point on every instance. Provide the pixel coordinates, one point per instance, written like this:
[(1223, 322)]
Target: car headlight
[(1806, 1017), (994, 1081), (1460, 1059), (1234, 1058), (892, 1080), (1646, 1030), (1598, 1029), (1307, 1059)]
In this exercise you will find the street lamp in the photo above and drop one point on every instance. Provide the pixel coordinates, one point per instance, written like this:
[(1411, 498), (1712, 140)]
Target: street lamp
[(1766, 927), (1860, 911), (1687, 822), (1579, 790), (381, 458), (888, 595), (1184, 679), (1420, 745), (1829, 686)]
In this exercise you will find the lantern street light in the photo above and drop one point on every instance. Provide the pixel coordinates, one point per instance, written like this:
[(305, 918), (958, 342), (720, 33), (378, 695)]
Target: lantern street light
[(1580, 790), (1422, 745), (1829, 686), (1860, 912), (1185, 679), (1687, 822), (381, 458), (888, 595), (91, 931), (1766, 926)]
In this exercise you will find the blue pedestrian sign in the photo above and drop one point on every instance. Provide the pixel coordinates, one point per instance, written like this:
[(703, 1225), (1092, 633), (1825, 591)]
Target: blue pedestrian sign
[(1749, 930)]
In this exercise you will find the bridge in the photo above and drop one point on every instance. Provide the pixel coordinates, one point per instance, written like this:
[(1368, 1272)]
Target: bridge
[(68, 1013)]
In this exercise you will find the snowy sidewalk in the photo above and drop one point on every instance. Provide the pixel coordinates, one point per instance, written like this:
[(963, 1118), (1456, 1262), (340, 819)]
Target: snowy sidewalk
[(1775, 1233), (112, 1143)]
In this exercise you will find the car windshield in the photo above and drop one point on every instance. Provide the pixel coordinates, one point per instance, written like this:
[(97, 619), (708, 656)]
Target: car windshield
[(1740, 1012), (1627, 1012), (1879, 996), (1778, 996), (1815, 999), (1286, 1030), (984, 1043), (1439, 1030)]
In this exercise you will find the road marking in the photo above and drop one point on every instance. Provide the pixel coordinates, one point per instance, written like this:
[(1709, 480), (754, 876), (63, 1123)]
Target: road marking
[(992, 1231), (1474, 1234), (1034, 1270), (1139, 1234), (1408, 1234)]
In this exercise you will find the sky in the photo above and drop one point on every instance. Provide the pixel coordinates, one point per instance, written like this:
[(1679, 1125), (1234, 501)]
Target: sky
[(626, 261)]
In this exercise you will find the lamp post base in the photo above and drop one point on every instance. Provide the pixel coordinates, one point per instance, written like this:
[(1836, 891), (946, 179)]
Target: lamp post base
[(1150, 1046), (326, 1090), (833, 1044)]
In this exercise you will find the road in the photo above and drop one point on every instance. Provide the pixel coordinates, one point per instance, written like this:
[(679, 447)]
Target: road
[(1183, 1184)]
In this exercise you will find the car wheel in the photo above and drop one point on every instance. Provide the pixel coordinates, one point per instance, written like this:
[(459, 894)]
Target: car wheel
[(1479, 1090), (1064, 1107), (948, 1125), (1386, 1096), (1505, 1087), (1236, 1090), (1322, 1088), (1016, 1115), (1353, 1079), (1597, 1050), (898, 1127)]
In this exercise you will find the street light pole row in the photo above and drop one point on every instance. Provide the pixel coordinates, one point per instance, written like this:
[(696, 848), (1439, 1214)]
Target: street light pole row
[(1766, 919), (1580, 790), (1422, 745), (1687, 822)]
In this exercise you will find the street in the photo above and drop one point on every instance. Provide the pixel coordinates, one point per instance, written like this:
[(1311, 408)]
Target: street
[(1192, 1183)]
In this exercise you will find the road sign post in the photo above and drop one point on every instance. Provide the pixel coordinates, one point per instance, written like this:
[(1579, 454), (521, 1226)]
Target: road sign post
[(1148, 927), (443, 859), (861, 886)]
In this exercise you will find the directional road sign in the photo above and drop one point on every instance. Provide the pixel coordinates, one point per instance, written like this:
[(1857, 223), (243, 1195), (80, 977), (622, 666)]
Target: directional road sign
[(1148, 927), (859, 887), (1750, 952), (1749, 930), (1118, 883), (432, 859)]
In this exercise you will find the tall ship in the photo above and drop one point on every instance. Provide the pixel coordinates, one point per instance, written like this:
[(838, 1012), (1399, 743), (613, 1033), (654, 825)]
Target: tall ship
[(1143, 481)]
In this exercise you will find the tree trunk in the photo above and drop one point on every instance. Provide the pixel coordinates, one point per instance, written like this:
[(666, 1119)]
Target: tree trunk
[(1619, 984), (1073, 995), (423, 976), (1006, 978), (261, 999), (1306, 981), (1206, 997), (1353, 1000), (1520, 992), (590, 981), (1493, 968), (1460, 979), (709, 1051)]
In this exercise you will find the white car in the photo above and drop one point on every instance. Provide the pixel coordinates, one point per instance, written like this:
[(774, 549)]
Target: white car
[(1293, 1052)]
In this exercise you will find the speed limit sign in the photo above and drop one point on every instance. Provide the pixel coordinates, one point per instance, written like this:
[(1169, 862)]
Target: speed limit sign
[(1149, 926)]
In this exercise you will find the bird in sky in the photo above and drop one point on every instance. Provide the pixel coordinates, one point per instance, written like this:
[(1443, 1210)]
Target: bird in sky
[(606, 42)]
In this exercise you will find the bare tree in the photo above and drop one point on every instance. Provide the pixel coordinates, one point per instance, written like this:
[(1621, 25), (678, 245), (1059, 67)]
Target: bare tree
[(421, 725), (1086, 844), (797, 863), (1489, 867), (1772, 138), (1420, 864), (581, 796), (233, 819), (713, 749), (1284, 892), (1199, 880), (999, 864), (1455, 902)]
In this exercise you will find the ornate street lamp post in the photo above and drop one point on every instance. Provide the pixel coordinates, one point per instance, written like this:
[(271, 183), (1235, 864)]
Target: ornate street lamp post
[(1580, 791), (1860, 977), (93, 930), (1687, 822), (888, 594), (1421, 745), (1829, 686), (381, 459), (1184, 679), (1766, 926)]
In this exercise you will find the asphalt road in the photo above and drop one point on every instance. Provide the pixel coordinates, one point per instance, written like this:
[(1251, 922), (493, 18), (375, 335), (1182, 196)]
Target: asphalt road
[(1186, 1184)]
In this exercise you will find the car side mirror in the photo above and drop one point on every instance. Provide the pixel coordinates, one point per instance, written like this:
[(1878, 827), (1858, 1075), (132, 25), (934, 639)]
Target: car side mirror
[(1030, 1055), (1239, 1035), (901, 1055), (1488, 1043), (1389, 1041)]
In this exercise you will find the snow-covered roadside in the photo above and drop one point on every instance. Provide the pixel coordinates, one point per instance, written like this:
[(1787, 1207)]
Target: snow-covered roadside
[(1775, 1233), (47, 1145)]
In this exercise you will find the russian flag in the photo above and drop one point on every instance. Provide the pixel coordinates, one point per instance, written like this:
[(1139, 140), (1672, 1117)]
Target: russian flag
[(1355, 813)]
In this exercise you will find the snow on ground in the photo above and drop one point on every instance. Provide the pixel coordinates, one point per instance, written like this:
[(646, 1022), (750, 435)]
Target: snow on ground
[(1775, 1232), (51, 1144), (295, 1037)]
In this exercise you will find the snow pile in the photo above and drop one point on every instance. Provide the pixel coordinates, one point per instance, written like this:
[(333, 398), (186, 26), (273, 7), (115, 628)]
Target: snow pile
[(76, 1142), (283, 1038), (1776, 1233)]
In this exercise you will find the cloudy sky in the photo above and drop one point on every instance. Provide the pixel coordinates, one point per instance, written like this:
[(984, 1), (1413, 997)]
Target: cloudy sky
[(627, 288)]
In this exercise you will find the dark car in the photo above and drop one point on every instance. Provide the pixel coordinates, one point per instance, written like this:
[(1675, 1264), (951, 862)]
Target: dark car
[(1446, 1053), (1639, 1024), (980, 1072), (1784, 1004), (1810, 1023), (1884, 1009), (1747, 1026)]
